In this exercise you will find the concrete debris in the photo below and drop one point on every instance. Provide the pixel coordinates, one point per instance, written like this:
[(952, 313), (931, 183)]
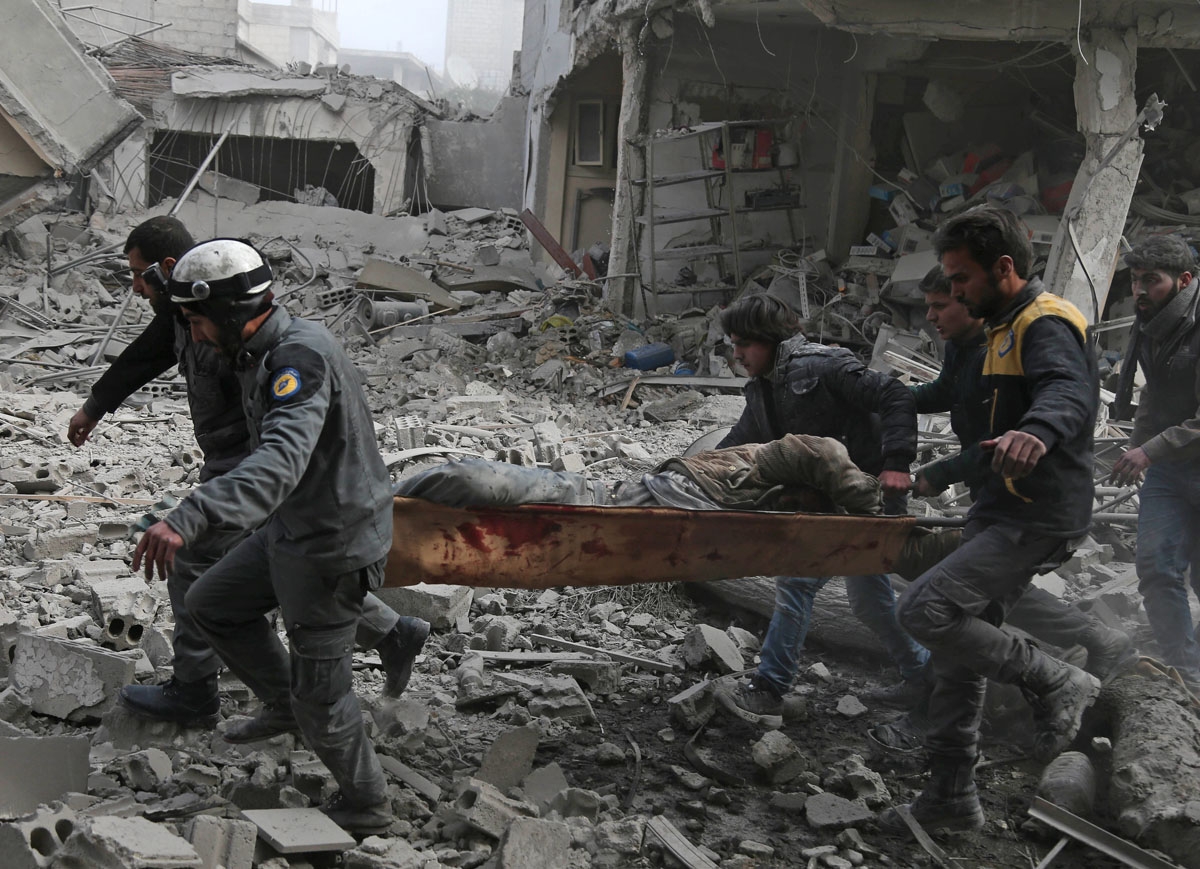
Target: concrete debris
[(39, 770)]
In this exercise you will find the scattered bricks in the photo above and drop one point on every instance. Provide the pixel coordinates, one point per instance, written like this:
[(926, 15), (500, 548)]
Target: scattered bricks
[(34, 841), (533, 843), (222, 842), (825, 811), (66, 678), (509, 759), (544, 784), (40, 769), (125, 606), (599, 677), (143, 770), (852, 776), (705, 643), (484, 808), (692, 708), (109, 842), (851, 707), (440, 605), (562, 697), (778, 757), (57, 544)]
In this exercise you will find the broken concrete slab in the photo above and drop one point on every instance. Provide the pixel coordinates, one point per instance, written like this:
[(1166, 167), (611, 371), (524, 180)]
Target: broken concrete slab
[(224, 83), (544, 784), (223, 842), (440, 605), (68, 120), (404, 283), (509, 759), (296, 831), (109, 842), (59, 542), (704, 644), (482, 806), (562, 697), (536, 843), (824, 811), (40, 769), (67, 678)]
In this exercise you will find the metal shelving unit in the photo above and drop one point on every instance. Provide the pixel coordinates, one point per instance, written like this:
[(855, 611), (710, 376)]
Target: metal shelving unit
[(721, 216)]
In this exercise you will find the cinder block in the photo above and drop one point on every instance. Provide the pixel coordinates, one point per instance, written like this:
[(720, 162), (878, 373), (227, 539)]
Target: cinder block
[(481, 806), (535, 843), (40, 769), (109, 842), (68, 678), (223, 842), (143, 770), (440, 605), (59, 543), (125, 606), (34, 841)]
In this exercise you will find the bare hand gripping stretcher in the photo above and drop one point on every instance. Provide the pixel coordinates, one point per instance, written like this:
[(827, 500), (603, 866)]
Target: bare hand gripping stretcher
[(546, 545)]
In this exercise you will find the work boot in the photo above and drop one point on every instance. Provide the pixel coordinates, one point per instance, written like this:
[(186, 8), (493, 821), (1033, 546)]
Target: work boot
[(192, 704), (1059, 693), (949, 803), (398, 650), (1109, 650), (362, 820), (271, 720), (905, 695), (753, 702)]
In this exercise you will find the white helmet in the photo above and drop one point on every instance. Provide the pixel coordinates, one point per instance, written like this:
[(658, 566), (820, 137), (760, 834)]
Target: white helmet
[(225, 269)]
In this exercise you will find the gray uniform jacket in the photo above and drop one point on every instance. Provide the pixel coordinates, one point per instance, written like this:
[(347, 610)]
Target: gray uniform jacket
[(315, 476)]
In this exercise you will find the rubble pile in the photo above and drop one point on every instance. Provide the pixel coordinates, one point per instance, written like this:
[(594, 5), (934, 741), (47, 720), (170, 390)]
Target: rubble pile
[(557, 728)]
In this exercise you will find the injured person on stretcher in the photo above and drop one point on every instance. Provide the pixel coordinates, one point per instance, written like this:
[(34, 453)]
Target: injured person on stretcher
[(794, 474)]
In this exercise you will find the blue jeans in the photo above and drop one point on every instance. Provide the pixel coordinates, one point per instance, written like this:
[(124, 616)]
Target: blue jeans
[(871, 600), (1168, 544)]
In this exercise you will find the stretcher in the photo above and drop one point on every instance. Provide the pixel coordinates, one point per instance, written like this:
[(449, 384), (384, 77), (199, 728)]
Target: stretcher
[(547, 545)]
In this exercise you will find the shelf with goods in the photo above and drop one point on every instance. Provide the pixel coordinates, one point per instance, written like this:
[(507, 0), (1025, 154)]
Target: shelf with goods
[(727, 150)]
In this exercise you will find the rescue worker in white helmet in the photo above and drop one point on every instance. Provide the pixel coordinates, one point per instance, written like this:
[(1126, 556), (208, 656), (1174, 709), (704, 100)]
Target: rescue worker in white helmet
[(317, 490)]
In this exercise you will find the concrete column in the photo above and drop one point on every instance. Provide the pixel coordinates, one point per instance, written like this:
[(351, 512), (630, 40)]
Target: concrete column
[(619, 293), (1106, 107), (849, 202)]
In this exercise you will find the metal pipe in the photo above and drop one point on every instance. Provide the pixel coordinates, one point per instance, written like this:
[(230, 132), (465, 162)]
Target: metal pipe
[(191, 185), (99, 354)]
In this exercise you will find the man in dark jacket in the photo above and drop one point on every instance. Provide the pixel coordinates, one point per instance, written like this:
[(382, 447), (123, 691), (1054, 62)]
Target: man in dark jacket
[(1034, 502), (958, 390), (801, 387), (316, 495), (190, 697), (1166, 443)]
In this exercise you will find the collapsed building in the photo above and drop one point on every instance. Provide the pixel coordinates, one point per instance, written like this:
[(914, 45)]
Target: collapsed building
[(692, 152)]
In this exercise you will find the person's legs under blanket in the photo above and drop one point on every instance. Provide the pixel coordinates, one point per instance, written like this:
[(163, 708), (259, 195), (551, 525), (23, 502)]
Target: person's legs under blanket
[(321, 614), (780, 655), (229, 603), (480, 483), (1164, 554), (873, 602)]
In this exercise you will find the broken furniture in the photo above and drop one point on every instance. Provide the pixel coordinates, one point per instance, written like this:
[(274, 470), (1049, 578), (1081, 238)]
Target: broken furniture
[(729, 150)]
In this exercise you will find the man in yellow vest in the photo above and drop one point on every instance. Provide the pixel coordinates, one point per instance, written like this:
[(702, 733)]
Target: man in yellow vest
[(1034, 503)]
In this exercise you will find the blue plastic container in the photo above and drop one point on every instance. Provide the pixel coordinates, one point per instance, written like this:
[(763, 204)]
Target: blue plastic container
[(649, 356)]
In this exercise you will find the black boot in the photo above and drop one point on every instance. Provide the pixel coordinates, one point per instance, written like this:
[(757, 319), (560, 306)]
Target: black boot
[(1109, 650), (949, 803), (398, 650), (272, 720), (1059, 694), (360, 820), (192, 704)]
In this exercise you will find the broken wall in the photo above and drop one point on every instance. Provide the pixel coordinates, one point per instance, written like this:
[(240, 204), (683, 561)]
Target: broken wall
[(204, 28), (289, 33), (546, 57), (471, 163)]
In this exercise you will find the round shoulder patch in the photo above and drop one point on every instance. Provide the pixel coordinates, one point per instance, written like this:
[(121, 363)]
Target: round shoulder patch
[(285, 383)]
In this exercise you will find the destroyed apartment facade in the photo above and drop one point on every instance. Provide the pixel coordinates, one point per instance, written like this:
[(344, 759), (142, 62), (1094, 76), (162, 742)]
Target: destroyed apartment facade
[(540, 292)]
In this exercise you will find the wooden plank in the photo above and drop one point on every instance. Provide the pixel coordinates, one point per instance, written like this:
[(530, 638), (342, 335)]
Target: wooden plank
[(550, 243), (678, 844), (644, 663), (410, 777)]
